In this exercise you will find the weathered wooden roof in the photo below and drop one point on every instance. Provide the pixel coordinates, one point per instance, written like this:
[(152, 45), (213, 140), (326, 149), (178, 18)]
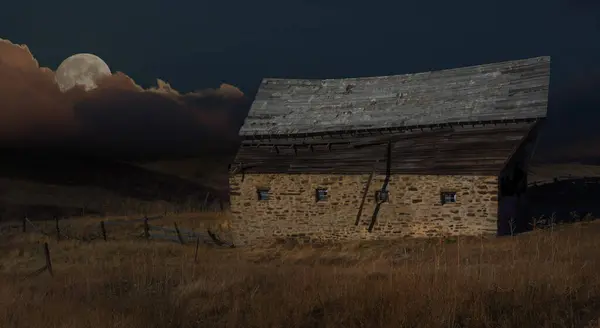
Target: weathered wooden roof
[(456, 150), (510, 90)]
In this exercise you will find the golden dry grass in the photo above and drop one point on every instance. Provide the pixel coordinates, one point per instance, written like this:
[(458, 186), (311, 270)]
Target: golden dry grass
[(540, 279)]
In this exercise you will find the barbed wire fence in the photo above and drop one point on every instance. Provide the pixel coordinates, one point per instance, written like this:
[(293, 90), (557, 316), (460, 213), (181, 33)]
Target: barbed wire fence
[(108, 230), (564, 178)]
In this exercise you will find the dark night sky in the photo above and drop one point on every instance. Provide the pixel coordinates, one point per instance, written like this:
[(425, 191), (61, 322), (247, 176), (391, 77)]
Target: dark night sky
[(198, 44)]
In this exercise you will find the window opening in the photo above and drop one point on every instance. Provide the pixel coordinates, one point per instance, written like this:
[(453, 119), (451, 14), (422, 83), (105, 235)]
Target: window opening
[(322, 194), (448, 197), (263, 193)]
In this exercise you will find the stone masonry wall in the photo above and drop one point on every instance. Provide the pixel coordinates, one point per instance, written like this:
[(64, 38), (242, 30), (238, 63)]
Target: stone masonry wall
[(414, 207)]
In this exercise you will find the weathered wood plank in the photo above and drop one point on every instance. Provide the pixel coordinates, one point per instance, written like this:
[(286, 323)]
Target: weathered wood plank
[(447, 151), (508, 90)]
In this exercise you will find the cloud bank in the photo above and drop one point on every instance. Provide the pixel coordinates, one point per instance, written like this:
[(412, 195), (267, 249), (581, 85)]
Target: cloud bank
[(117, 117)]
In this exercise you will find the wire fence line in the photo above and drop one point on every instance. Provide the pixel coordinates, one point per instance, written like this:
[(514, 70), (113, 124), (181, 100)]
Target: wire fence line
[(149, 231), (130, 221), (175, 234), (564, 178), (187, 235)]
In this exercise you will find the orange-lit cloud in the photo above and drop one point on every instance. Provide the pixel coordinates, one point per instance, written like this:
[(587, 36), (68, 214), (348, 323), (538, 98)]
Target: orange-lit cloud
[(32, 106), (119, 113)]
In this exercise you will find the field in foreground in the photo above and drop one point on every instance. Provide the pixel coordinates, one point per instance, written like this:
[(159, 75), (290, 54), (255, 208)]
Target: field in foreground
[(545, 278)]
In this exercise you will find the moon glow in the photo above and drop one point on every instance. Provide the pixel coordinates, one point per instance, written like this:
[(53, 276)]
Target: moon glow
[(82, 70)]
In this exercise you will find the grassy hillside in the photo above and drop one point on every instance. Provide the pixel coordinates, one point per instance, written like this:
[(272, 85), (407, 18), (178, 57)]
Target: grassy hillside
[(42, 185), (540, 279), (546, 173), (209, 171)]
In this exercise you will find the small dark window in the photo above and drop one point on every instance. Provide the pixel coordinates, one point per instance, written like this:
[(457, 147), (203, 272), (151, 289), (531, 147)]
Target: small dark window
[(448, 197), (263, 193), (322, 194), (382, 195)]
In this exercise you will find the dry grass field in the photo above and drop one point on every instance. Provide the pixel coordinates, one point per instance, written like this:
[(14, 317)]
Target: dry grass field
[(548, 278)]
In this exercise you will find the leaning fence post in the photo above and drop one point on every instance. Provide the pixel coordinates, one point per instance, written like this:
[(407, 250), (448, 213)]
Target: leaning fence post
[(57, 228), (196, 253), (178, 234), (48, 260), (146, 228), (103, 229), (204, 206)]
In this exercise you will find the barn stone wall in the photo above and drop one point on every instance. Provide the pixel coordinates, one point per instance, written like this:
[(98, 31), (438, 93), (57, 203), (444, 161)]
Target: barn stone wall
[(414, 207)]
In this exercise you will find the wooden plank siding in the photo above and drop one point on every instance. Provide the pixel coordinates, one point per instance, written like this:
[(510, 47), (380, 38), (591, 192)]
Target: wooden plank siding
[(467, 150), (506, 91)]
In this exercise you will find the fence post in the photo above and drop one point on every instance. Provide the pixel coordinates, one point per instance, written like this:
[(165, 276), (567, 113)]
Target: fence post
[(48, 260), (146, 228), (178, 234), (25, 223), (57, 228), (103, 229), (204, 207), (196, 253)]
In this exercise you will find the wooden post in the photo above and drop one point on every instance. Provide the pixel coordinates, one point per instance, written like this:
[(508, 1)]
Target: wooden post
[(221, 204), (196, 253), (25, 223), (206, 200), (146, 228), (103, 229), (48, 260), (178, 234), (57, 228), (364, 197)]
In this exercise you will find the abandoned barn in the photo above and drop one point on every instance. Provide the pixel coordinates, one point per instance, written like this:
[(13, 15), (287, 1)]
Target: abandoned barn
[(436, 153)]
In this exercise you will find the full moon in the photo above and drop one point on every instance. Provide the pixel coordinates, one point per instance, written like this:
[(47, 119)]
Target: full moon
[(81, 69)]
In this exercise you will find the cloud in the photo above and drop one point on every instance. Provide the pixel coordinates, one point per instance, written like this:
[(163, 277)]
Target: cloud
[(119, 116), (32, 106)]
